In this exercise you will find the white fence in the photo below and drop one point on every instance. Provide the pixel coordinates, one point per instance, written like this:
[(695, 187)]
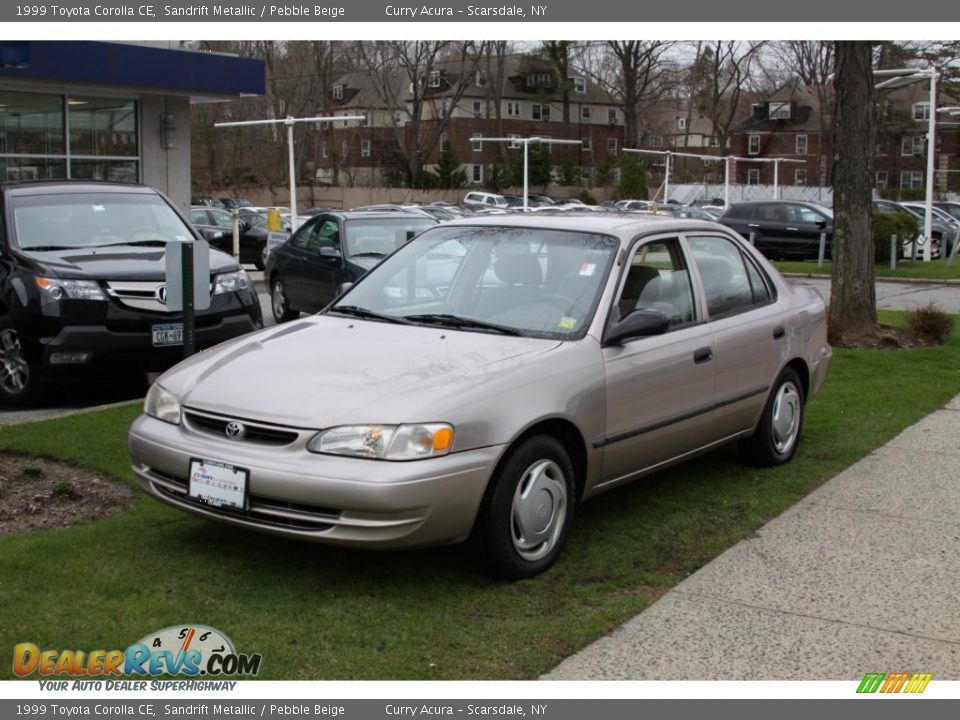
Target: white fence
[(704, 193)]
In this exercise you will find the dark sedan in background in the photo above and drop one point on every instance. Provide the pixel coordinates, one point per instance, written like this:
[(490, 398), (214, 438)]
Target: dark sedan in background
[(781, 228), (216, 227), (305, 273)]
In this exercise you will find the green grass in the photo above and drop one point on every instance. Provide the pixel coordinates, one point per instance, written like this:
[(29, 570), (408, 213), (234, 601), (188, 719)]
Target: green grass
[(933, 270), (323, 613)]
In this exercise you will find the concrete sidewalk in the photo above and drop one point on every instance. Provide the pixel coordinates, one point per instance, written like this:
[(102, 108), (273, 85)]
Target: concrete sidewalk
[(863, 575)]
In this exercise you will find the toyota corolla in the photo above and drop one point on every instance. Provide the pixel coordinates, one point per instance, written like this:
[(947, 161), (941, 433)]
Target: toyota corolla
[(487, 378)]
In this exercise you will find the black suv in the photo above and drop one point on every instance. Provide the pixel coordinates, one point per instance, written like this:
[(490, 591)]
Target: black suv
[(82, 284), (305, 273), (782, 228)]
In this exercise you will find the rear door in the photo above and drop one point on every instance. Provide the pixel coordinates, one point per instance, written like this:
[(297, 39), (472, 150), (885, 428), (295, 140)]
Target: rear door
[(769, 226)]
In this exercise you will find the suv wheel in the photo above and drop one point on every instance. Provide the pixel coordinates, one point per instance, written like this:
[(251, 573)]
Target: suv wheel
[(527, 514), (279, 303), (18, 381)]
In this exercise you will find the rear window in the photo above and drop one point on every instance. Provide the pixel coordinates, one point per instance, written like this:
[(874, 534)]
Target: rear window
[(740, 211), (379, 238)]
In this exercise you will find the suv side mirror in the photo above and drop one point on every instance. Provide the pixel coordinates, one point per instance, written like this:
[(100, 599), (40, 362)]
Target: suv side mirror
[(329, 252), (638, 323)]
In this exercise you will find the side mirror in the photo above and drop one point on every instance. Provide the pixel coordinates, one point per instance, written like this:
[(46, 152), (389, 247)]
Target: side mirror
[(639, 323), (330, 252), (821, 224), (244, 226), (343, 288)]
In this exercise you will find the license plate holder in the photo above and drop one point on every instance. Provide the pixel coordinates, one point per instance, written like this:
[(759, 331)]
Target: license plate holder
[(218, 484), (167, 334)]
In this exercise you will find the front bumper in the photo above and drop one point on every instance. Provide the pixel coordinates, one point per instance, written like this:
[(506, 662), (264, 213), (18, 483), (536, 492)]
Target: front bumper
[(320, 498)]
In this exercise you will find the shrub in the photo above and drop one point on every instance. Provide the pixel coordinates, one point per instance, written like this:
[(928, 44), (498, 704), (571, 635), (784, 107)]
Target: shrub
[(930, 324), (586, 197), (905, 227), (633, 178)]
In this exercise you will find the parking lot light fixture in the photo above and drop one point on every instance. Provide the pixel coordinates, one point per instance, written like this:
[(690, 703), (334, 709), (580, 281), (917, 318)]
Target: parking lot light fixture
[(290, 122), (526, 142)]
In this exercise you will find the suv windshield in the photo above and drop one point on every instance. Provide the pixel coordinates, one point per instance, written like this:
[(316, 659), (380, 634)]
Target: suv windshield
[(380, 237), (534, 282), (80, 220)]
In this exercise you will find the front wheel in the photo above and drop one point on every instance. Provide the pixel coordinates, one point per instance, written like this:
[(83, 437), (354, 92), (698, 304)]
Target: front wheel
[(279, 303), (19, 384), (527, 513), (775, 440), (261, 260)]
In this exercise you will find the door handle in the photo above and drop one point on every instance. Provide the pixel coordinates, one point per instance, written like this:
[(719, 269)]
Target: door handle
[(778, 332), (702, 355), (752, 225), (792, 228)]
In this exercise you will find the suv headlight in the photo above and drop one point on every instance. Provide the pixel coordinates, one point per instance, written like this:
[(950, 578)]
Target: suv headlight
[(162, 404), (54, 289), (385, 442), (231, 282)]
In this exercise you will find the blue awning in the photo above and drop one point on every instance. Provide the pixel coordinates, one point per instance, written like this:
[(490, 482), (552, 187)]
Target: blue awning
[(135, 66)]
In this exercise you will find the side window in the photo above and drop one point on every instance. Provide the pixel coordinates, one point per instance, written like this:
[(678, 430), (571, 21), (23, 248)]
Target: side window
[(222, 219), (806, 215), (732, 283), (301, 239), (771, 213), (199, 217), (658, 279), (327, 235)]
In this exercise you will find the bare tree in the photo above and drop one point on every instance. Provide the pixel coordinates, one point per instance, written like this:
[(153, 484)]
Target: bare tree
[(423, 81), (719, 74), (853, 307), (812, 62)]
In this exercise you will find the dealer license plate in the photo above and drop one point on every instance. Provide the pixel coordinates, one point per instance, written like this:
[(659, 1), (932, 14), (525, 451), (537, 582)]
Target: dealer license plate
[(168, 334), (218, 484)]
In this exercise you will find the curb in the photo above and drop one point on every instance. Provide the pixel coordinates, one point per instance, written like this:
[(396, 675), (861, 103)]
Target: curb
[(913, 281)]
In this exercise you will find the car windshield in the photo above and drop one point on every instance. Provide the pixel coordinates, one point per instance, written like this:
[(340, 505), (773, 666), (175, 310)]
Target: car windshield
[(533, 282), (80, 220), (380, 237)]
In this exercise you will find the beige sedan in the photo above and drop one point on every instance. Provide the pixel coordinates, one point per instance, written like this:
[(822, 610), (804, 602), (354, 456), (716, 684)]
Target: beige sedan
[(484, 380)]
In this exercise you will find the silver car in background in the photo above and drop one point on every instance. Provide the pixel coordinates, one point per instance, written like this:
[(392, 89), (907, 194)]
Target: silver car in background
[(484, 380)]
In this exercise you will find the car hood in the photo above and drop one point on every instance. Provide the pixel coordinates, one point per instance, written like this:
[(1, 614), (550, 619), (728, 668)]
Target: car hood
[(117, 262), (326, 370)]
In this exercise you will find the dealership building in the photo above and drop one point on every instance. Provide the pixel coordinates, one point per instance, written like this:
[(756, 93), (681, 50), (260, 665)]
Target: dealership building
[(109, 110)]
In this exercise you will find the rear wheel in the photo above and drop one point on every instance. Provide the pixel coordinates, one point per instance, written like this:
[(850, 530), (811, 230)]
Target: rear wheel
[(19, 384), (279, 303), (527, 513), (775, 440)]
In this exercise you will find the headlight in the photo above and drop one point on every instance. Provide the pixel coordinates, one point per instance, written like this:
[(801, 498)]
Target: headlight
[(230, 282), (385, 442), (162, 405), (54, 289)]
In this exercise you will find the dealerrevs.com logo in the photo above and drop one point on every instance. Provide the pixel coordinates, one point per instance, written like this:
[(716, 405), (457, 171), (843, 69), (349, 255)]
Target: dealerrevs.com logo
[(190, 650), (901, 682)]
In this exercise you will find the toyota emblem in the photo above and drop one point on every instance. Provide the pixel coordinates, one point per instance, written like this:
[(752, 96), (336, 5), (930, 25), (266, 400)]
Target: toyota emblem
[(234, 430), (162, 294)]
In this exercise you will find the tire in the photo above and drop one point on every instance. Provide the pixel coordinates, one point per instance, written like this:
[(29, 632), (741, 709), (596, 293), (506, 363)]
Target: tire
[(261, 260), (19, 384), (777, 436), (279, 303), (528, 509)]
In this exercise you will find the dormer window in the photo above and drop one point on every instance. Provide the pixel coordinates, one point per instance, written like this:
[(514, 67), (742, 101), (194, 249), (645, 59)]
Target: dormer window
[(481, 78), (338, 92), (681, 123), (579, 85), (434, 80), (539, 80), (778, 110)]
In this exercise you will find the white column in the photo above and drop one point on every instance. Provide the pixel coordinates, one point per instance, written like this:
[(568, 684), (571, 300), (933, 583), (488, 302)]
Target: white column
[(776, 179), (666, 181), (293, 175), (526, 146), (931, 151)]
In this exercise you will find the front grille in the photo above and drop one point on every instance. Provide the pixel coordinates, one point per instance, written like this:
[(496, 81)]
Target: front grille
[(263, 434), (261, 510)]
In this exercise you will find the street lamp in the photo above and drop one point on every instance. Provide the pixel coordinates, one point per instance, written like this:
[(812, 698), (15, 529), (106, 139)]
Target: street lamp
[(901, 77), (289, 122), (526, 142)]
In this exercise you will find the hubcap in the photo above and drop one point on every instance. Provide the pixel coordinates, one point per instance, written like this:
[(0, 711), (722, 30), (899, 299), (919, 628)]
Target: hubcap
[(539, 510), (14, 371), (786, 417), (279, 300)]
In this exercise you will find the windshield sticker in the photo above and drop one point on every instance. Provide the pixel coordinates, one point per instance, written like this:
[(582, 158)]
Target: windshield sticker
[(98, 208), (567, 323), (587, 269)]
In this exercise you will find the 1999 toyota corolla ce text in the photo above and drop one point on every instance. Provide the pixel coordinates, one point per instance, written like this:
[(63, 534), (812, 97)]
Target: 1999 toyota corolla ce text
[(486, 378)]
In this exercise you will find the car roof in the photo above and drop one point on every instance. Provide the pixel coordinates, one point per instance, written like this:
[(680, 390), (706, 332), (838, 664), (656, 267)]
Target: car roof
[(374, 215), (623, 225), (63, 187)]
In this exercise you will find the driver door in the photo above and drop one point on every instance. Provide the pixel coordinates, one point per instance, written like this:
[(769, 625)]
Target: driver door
[(313, 275)]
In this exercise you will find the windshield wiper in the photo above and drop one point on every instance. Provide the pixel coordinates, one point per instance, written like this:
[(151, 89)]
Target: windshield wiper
[(369, 254), (360, 312), (156, 242), (44, 248), (464, 323)]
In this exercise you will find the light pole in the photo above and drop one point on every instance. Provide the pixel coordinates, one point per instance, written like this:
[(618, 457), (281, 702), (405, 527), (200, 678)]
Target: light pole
[(901, 77), (526, 142), (776, 168), (668, 154), (289, 122)]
